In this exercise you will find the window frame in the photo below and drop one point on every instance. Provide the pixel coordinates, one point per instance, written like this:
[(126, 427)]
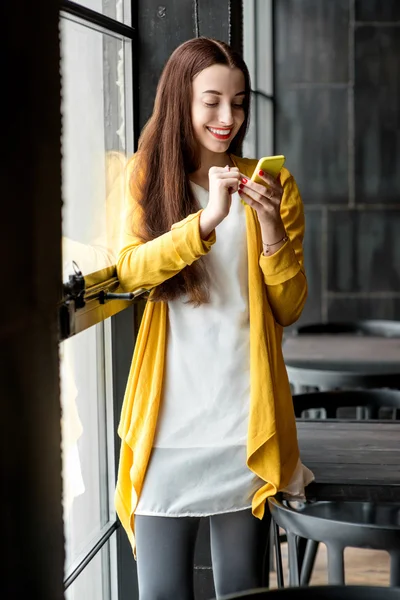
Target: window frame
[(89, 307)]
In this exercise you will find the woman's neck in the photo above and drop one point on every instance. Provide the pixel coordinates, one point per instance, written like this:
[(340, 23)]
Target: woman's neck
[(208, 160)]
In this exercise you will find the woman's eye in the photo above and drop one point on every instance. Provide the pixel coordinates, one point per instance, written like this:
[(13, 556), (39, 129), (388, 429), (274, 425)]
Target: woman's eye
[(213, 104)]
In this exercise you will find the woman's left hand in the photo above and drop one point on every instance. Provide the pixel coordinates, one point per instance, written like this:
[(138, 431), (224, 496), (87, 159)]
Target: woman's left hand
[(265, 199)]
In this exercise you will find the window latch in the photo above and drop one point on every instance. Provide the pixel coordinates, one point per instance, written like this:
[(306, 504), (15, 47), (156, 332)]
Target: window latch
[(75, 287), (74, 297)]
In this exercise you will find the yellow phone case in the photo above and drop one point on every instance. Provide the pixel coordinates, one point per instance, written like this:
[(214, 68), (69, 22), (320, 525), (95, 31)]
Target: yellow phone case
[(269, 164)]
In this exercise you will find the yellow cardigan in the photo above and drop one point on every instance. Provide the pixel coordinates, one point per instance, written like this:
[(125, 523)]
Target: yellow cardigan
[(277, 293)]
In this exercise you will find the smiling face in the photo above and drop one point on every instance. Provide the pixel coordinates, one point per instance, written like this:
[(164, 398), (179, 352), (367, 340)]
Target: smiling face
[(217, 106)]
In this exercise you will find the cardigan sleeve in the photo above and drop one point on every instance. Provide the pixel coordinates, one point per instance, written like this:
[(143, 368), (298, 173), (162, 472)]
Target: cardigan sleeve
[(148, 264), (283, 272)]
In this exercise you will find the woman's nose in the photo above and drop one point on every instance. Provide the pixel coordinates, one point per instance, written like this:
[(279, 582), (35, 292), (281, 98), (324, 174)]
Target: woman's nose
[(225, 115)]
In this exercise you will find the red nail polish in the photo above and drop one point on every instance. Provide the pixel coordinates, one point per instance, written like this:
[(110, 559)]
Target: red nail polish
[(240, 186), (261, 173), (244, 180)]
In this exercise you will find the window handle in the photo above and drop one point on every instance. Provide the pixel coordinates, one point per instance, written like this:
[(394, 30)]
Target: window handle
[(104, 295)]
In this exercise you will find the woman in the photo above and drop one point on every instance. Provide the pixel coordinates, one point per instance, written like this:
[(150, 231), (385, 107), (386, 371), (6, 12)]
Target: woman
[(207, 425)]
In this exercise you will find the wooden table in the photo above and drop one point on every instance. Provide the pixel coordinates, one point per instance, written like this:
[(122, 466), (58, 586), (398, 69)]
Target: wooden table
[(327, 361), (353, 460)]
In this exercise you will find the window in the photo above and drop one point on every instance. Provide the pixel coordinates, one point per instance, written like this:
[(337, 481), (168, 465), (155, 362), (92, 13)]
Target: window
[(97, 141), (97, 41), (87, 422), (258, 43)]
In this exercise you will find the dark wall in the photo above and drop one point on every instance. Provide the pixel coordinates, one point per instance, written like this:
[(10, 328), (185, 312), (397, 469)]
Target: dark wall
[(32, 536), (337, 78), (163, 27)]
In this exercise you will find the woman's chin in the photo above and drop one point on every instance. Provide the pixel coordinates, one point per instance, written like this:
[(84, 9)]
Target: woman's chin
[(218, 147)]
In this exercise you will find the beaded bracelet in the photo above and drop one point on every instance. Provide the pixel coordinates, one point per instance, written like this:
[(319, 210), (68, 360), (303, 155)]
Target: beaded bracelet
[(267, 246)]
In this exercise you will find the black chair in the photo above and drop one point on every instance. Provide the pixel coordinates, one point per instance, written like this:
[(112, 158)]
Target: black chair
[(337, 525), (378, 327), (327, 592), (374, 403)]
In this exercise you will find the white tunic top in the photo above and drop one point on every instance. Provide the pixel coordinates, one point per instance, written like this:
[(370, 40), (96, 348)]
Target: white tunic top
[(198, 463)]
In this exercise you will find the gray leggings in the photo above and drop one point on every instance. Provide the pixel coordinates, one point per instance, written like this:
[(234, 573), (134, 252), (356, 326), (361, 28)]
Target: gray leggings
[(165, 554)]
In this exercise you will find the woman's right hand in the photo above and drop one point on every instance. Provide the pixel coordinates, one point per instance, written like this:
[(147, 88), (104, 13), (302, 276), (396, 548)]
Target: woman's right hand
[(223, 182)]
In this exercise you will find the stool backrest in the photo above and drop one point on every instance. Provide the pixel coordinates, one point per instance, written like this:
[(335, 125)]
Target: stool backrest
[(372, 400)]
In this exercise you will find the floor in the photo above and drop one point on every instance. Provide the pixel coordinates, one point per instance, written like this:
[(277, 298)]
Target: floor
[(362, 567)]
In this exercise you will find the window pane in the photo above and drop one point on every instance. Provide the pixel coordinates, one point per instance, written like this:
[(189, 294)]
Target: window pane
[(264, 46), (119, 10), (88, 474), (264, 124), (250, 141), (96, 141), (98, 581)]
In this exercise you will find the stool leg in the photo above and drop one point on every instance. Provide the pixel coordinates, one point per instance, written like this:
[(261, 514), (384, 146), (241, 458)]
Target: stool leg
[(267, 560), (294, 577), (301, 550), (395, 569), (335, 565), (271, 550), (308, 562), (278, 555)]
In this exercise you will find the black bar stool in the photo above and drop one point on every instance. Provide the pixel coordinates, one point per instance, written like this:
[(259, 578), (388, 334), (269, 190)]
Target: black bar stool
[(326, 592), (337, 525)]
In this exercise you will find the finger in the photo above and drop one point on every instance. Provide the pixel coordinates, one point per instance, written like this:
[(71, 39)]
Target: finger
[(226, 174), (232, 169), (249, 200), (260, 188), (270, 182), (263, 199), (268, 178), (216, 170), (230, 182)]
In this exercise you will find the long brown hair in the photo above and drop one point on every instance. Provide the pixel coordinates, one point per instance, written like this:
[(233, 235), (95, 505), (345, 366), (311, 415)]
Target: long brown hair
[(168, 152)]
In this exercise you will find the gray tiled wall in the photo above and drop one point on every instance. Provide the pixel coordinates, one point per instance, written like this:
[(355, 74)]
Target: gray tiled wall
[(337, 78)]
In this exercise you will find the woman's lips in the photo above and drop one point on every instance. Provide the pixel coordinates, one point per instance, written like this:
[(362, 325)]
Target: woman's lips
[(220, 134)]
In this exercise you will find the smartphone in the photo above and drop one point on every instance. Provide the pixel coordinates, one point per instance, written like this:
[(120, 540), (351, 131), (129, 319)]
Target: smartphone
[(269, 164)]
